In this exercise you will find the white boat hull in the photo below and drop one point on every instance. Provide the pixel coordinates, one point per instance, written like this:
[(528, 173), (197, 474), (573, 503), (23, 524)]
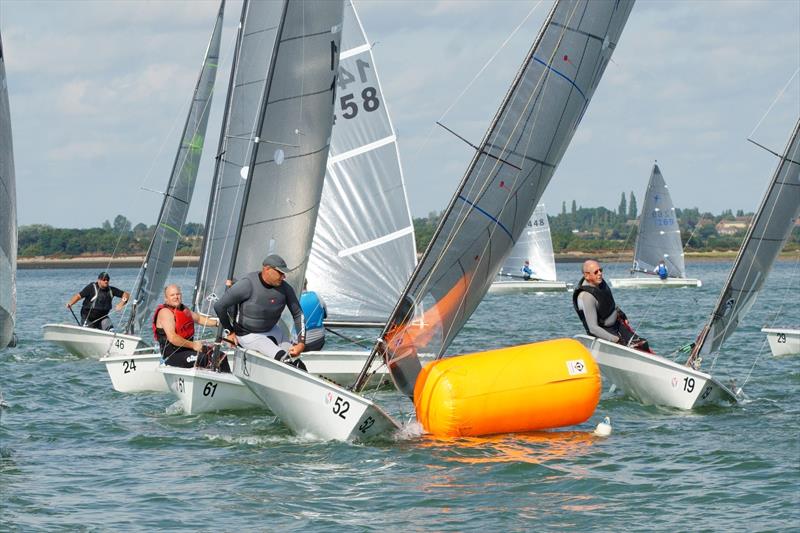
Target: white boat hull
[(344, 366), (136, 373), (653, 282), (93, 343), (655, 380), (310, 405), (783, 341), (516, 286), (207, 391)]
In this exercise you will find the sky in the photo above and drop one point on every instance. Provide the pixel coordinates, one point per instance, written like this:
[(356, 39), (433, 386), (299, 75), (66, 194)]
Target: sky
[(99, 93)]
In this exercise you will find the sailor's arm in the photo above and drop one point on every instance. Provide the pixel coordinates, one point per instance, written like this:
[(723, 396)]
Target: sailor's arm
[(166, 321), (72, 301), (589, 308)]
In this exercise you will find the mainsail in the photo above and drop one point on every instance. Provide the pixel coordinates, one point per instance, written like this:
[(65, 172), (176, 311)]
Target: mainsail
[(158, 261), (534, 246), (292, 139), (252, 58), (8, 215), (769, 230), (659, 236), (363, 250), (504, 182)]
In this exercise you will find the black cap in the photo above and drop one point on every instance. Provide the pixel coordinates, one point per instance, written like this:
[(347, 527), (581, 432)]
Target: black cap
[(275, 261), (103, 275)]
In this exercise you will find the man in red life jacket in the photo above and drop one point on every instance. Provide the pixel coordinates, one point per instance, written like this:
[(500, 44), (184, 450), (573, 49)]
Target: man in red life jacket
[(173, 328)]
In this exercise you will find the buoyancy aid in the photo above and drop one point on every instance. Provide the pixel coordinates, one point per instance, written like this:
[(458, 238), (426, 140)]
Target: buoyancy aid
[(184, 324), (605, 301), (263, 309), (101, 302)]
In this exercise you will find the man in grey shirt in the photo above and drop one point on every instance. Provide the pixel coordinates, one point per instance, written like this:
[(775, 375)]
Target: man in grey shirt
[(598, 311)]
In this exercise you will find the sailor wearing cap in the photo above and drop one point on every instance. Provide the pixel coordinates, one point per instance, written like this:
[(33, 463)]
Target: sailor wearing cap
[(251, 310), (97, 300)]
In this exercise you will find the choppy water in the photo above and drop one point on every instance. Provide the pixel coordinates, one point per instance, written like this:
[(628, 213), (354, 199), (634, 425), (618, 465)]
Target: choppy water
[(76, 455)]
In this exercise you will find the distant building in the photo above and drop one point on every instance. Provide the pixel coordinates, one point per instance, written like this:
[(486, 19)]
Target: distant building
[(732, 227)]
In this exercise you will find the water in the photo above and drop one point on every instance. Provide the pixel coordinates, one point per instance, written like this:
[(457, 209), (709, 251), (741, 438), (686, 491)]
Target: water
[(76, 455)]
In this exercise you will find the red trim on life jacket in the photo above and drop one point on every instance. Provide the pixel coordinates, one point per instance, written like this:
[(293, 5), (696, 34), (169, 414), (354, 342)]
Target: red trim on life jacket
[(184, 323)]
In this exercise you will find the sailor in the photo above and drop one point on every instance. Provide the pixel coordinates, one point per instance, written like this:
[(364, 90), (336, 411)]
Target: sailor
[(595, 305), (173, 329), (661, 270), (97, 300), (251, 310), (314, 311), (527, 271)]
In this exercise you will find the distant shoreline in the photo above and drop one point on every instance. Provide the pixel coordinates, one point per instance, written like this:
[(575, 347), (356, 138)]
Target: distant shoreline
[(25, 263)]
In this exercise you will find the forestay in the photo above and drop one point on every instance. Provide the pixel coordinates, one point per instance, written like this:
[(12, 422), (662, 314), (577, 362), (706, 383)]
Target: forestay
[(659, 237), (287, 161), (504, 182), (363, 250), (534, 245), (769, 230), (8, 215), (158, 261), (252, 57)]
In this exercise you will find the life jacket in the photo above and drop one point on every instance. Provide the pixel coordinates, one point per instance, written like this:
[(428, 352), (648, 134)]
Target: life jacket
[(184, 324), (605, 301), (662, 271), (101, 302)]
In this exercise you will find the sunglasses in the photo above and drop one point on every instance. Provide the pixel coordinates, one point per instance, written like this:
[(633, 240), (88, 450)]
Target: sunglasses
[(596, 272)]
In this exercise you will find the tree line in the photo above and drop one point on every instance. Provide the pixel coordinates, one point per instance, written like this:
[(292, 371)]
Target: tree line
[(584, 229)]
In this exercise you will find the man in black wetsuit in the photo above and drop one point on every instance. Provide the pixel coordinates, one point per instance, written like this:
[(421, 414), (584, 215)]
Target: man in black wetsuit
[(97, 299), (251, 310), (598, 311)]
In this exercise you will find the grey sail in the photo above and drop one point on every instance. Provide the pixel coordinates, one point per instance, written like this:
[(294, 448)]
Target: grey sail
[(503, 183), (152, 277), (769, 230), (659, 236), (8, 216), (288, 159), (252, 58), (535, 246), (363, 250)]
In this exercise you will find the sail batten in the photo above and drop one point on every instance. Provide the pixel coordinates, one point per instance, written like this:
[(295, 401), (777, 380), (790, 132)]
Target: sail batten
[(768, 232), (177, 197), (494, 201)]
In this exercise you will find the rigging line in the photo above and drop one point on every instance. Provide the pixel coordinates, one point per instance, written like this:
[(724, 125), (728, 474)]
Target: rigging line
[(776, 154), (775, 101), (491, 59), (478, 149)]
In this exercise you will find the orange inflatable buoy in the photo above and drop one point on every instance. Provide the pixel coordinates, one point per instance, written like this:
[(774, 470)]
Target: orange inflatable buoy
[(512, 390)]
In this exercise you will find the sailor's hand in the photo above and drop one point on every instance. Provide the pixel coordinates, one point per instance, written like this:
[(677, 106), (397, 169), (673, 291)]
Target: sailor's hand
[(197, 346), (297, 349), (69, 305), (233, 338)]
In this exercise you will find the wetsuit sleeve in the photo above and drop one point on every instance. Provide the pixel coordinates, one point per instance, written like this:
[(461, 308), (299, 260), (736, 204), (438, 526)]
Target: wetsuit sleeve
[(589, 308), (87, 291), (116, 292), (297, 313), (235, 295)]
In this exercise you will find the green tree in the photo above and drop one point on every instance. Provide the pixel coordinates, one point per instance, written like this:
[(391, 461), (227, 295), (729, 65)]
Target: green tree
[(574, 208), (633, 210), (623, 207), (564, 208)]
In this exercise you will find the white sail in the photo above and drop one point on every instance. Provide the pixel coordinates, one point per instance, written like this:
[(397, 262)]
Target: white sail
[(252, 58), (8, 215), (769, 230), (149, 285), (504, 182), (363, 250), (535, 246), (659, 236)]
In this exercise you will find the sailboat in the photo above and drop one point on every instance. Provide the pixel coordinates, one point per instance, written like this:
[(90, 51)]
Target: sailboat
[(487, 214), (656, 380), (8, 217), (125, 370), (658, 239), (535, 248), (268, 182), (783, 341)]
